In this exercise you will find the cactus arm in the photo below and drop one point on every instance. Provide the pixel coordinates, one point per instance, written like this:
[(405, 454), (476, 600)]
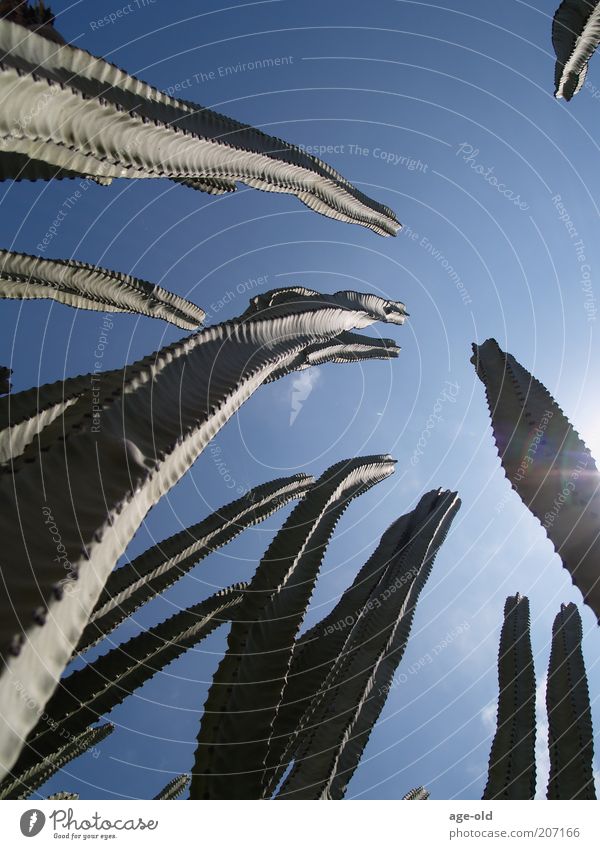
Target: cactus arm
[(546, 463), (379, 634), (511, 773), (22, 784), (64, 796), (5, 374), (96, 689), (575, 37), (84, 286), (158, 568), (174, 788), (132, 129), (260, 646), (570, 732)]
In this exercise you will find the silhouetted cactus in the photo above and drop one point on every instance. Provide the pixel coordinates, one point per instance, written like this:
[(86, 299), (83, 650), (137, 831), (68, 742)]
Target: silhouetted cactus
[(570, 732), (247, 688), (546, 462), (5, 374), (335, 729), (511, 772)]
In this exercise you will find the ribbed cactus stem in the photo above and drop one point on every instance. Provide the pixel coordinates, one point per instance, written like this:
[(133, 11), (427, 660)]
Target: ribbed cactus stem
[(511, 772), (570, 732)]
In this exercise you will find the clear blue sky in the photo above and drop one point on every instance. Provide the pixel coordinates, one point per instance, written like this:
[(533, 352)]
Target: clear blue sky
[(386, 84)]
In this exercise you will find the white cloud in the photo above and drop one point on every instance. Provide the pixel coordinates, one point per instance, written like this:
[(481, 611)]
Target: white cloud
[(488, 717), (302, 386)]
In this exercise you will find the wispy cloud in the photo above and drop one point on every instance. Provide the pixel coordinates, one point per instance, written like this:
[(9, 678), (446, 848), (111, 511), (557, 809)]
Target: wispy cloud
[(302, 386)]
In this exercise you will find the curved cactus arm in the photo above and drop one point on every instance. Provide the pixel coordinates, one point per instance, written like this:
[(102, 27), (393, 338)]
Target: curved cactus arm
[(546, 463), (19, 167), (374, 307), (511, 772), (88, 693), (317, 650), (575, 37), (417, 793), (84, 286), (132, 129), (23, 783), (333, 729), (570, 732), (174, 788), (149, 574), (206, 378), (64, 796), (210, 186), (5, 374), (237, 720), (346, 348)]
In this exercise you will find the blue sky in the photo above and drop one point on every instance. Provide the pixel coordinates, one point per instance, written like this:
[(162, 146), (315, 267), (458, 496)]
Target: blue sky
[(411, 97)]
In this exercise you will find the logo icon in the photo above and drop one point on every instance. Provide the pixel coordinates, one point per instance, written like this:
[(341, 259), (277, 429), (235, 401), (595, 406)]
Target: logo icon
[(32, 822)]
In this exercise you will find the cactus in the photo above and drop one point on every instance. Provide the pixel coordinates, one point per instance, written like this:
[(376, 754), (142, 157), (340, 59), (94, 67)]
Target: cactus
[(260, 646), (511, 772), (174, 788), (575, 37), (87, 287), (206, 378), (335, 728), (88, 693), (415, 794), (158, 568), (22, 783), (547, 464), (570, 733), (82, 114)]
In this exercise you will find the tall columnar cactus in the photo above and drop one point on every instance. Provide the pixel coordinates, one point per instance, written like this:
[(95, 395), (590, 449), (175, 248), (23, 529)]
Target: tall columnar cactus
[(174, 788), (160, 566), (22, 783), (335, 729), (57, 553), (87, 287), (570, 733), (247, 688), (73, 111), (417, 793), (575, 37), (546, 462), (512, 760)]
